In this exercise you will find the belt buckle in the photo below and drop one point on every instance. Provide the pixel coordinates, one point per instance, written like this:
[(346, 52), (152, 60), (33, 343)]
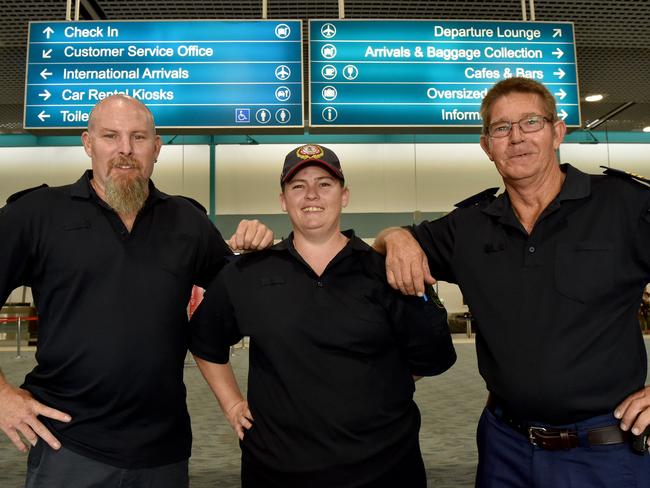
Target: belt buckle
[(531, 434)]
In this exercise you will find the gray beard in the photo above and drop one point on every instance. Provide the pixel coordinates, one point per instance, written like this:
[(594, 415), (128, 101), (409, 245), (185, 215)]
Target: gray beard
[(126, 196)]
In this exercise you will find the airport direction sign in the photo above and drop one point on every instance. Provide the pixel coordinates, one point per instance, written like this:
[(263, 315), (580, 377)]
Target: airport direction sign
[(397, 73), (226, 74)]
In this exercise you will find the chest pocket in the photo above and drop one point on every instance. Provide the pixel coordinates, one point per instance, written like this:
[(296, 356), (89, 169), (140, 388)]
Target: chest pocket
[(584, 270), (175, 253), (74, 249)]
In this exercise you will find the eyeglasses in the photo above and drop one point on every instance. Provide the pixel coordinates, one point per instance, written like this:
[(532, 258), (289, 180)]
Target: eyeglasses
[(532, 123)]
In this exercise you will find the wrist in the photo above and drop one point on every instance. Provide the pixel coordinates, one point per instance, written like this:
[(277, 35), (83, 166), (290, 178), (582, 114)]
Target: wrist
[(397, 237), (5, 387), (384, 239), (230, 409)]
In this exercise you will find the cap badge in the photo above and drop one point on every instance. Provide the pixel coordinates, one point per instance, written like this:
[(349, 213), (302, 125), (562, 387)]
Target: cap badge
[(310, 151)]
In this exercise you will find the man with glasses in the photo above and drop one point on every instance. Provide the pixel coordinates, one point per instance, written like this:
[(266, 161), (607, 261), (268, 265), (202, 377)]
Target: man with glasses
[(553, 270)]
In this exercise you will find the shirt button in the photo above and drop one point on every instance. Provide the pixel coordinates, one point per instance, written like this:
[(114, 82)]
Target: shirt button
[(531, 249), (319, 284)]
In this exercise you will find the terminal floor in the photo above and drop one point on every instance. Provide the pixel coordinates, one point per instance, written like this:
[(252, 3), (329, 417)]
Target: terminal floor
[(450, 406)]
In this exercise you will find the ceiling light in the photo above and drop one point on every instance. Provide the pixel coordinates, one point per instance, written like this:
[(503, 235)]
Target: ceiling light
[(594, 98), (646, 129)]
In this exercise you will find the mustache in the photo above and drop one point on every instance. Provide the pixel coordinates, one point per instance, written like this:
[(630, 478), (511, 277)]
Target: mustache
[(124, 162)]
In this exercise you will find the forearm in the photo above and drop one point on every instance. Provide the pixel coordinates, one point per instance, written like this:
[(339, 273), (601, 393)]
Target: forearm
[(222, 382)]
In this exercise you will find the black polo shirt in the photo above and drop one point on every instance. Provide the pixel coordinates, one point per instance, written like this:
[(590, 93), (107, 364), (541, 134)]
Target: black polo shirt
[(331, 359), (558, 336), (112, 315)]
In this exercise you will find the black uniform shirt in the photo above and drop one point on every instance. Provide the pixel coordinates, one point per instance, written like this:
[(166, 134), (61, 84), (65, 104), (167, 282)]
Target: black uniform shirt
[(112, 315), (556, 310), (331, 359)]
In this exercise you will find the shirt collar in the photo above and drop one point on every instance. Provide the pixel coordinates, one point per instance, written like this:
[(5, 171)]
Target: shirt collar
[(82, 188), (354, 243), (576, 185)]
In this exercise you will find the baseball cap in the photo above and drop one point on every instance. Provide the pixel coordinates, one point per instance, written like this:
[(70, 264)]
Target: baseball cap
[(307, 155)]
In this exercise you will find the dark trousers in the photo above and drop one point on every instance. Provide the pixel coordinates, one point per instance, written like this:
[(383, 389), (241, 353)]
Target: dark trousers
[(408, 473), (47, 468), (508, 460)]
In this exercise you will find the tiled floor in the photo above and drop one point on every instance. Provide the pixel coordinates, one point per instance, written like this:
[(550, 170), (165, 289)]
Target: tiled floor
[(450, 406)]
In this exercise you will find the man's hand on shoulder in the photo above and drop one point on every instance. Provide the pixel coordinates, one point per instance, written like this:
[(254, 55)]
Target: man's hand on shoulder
[(407, 268), (19, 413), (251, 235)]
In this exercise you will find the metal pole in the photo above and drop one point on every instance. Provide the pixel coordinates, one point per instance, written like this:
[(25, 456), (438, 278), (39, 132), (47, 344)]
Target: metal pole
[(532, 10), (523, 9), (265, 9), (18, 334), (68, 10), (341, 9), (77, 3)]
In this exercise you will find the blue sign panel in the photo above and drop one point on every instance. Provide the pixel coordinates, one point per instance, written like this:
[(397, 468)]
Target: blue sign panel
[(191, 74), (375, 73)]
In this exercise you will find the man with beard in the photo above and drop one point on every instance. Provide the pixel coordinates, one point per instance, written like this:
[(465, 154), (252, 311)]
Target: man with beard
[(111, 261)]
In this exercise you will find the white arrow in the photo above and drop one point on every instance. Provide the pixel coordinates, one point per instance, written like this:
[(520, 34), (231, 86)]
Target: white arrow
[(557, 32), (46, 94), (558, 52), (48, 31), (43, 116), (563, 115), (559, 73), (45, 73), (560, 94), (46, 54)]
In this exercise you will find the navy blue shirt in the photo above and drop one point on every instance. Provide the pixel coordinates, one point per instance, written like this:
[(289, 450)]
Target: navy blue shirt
[(331, 359), (558, 337), (112, 332)]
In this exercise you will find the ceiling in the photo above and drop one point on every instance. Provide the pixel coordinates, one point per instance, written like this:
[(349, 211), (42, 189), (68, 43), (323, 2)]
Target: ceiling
[(612, 38)]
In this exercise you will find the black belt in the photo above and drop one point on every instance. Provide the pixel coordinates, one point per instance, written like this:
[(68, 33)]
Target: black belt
[(552, 439)]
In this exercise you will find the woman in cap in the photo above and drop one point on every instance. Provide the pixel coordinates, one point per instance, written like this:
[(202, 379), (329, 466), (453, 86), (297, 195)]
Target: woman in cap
[(334, 351)]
